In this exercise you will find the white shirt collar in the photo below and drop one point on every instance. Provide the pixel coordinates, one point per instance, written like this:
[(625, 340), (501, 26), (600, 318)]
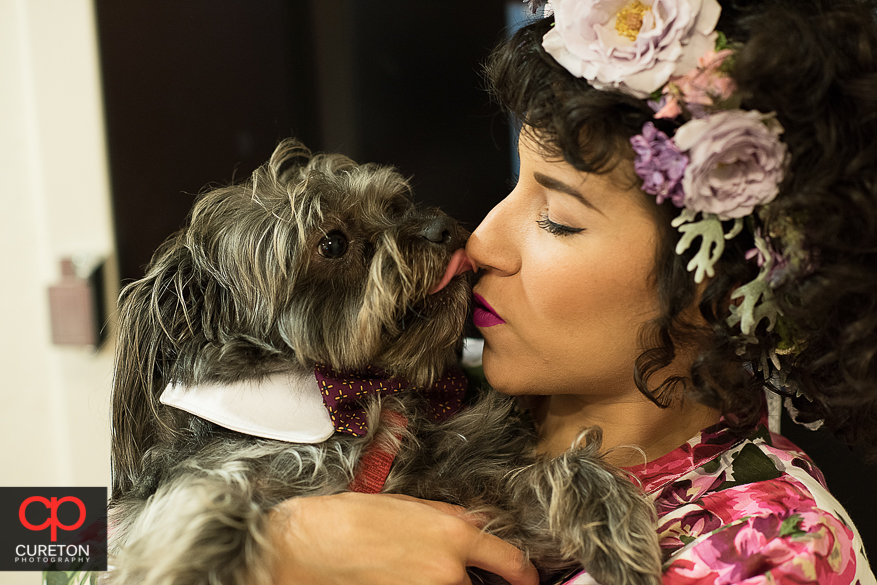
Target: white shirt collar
[(285, 406)]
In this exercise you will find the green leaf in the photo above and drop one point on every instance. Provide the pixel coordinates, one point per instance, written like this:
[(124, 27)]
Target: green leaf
[(711, 467), (70, 578), (790, 525), (57, 577), (712, 241), (750, 465), (758, 303)]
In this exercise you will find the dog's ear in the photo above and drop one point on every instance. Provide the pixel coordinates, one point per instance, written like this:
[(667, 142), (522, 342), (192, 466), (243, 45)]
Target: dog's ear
[(288, 160), (156, 316)]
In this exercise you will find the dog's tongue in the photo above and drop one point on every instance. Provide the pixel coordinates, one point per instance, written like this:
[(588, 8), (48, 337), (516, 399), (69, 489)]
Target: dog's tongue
[(459, 264)]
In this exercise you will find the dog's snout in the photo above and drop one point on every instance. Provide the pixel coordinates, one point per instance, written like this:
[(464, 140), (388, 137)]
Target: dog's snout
[(439, 230)]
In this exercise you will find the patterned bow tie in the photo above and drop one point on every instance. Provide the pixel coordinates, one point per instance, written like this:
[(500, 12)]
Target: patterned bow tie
[(344, 392)]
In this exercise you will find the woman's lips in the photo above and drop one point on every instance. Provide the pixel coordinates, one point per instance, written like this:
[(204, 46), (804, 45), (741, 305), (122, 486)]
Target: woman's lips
[(484, 315)]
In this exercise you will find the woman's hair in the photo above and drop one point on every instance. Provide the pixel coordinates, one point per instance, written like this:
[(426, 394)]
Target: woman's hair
[(813, 63)]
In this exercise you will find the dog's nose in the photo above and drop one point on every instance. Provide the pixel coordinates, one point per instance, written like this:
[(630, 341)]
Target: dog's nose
[(439, 230)]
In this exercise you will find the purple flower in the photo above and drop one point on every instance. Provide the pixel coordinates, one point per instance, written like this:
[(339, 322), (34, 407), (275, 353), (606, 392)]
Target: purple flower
[(737, 162), (660, 164), (631, 45), (764, 251), (759, 256)]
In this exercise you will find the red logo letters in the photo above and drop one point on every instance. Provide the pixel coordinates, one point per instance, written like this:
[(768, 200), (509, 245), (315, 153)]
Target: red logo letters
[(52, 505)]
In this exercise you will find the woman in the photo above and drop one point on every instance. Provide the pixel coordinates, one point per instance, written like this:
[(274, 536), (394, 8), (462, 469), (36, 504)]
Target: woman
[(695, 221)]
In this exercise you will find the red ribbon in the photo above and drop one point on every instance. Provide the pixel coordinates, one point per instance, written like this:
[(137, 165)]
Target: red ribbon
[(376, 461)]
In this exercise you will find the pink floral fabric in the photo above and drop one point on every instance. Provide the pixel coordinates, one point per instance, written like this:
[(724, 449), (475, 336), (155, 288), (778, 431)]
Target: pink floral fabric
[(750, 510)]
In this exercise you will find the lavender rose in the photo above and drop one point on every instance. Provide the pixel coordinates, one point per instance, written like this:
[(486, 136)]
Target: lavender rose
[(737, 162), (631, 44)]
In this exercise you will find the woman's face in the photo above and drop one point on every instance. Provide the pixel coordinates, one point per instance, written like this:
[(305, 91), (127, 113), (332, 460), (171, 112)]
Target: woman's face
[(566, 262)]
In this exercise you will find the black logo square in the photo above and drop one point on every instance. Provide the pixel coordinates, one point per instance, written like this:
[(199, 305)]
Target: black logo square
[(53, 529)]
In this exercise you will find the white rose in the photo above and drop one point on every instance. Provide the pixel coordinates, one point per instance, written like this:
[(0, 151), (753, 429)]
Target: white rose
[(631, 45)]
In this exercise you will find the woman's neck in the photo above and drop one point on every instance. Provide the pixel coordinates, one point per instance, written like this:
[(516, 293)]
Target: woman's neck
[(630, 428)]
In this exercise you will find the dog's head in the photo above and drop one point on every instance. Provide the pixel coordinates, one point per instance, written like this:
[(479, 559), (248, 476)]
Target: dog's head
[(314, 259)]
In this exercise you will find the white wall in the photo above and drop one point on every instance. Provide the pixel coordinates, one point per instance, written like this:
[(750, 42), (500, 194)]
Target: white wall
[(54, 401)]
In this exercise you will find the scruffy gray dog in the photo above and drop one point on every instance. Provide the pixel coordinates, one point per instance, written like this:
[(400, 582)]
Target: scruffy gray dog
[(319, 264)]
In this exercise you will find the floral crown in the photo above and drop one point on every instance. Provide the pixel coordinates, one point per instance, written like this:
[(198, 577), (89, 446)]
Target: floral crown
[(722, 165)]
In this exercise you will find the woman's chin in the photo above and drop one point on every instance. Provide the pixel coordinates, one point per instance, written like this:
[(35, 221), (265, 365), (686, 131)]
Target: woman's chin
[(503, 377)]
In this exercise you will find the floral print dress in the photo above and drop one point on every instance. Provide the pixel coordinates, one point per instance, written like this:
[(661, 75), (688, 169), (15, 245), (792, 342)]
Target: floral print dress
[(751, 509), (747, 510)]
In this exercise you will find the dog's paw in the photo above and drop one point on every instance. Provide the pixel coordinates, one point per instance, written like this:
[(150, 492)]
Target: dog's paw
[(585, 511), (193, 529)]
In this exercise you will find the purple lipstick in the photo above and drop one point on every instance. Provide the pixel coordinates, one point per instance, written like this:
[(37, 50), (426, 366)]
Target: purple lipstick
[(484, 315)]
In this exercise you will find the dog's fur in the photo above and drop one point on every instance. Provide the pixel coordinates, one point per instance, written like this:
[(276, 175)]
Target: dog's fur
[(256, 284)]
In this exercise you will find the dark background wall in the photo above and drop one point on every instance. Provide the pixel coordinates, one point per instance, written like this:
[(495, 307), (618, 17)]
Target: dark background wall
[(200, 91)]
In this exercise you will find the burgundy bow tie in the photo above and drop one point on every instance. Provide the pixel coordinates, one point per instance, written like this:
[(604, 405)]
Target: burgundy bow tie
[(343, 393)]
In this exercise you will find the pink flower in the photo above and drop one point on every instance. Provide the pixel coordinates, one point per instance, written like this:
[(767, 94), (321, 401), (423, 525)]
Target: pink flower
[(749, 541), (737, 162), (706, 85), (635, 45)]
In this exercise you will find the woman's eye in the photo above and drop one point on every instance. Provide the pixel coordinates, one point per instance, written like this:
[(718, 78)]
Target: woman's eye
[(558, 229), (334, 245)]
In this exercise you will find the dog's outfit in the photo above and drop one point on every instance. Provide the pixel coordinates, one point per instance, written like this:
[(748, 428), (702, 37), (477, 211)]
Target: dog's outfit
[(310, 408), (750, 509)]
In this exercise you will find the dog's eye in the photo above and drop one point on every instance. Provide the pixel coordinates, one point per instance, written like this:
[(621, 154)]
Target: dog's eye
[(334, 245)]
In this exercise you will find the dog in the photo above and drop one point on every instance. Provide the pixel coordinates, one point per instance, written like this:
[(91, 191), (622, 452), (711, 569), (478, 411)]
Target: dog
[(316, 278)]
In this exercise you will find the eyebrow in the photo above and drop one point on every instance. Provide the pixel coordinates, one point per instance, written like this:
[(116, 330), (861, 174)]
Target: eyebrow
[(555, 185)]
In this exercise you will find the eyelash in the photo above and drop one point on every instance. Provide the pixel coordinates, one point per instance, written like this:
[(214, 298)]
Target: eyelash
[(556, 229)]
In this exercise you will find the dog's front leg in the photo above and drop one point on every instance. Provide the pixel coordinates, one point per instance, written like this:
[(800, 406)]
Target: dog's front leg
[(576, 507), (194, 531)]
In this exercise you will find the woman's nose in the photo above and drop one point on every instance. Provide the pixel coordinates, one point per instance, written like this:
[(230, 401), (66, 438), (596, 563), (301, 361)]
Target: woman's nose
[(493, 243)]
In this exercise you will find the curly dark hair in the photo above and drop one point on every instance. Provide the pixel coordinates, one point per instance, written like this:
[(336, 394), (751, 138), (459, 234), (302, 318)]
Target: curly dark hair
[(813, 63)]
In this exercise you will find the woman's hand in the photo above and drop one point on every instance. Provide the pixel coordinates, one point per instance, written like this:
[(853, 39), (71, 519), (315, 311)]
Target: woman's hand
[(385, 540)]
